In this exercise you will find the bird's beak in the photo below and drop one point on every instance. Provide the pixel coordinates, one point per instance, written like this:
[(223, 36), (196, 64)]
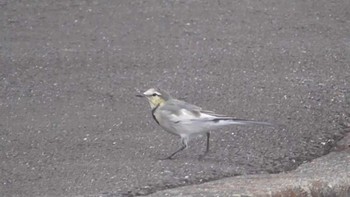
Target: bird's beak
[(140, 95)]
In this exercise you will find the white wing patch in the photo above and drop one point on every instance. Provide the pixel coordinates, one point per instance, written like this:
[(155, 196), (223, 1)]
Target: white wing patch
[(186, 116)]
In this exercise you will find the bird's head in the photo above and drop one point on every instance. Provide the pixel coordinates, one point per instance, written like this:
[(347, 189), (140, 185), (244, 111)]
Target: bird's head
[(155, 97)]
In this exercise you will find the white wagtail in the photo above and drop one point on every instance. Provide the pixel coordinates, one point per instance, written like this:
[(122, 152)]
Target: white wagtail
[(187, 120)]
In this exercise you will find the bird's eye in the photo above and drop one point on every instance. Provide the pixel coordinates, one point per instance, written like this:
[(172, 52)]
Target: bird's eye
[(154, 94)]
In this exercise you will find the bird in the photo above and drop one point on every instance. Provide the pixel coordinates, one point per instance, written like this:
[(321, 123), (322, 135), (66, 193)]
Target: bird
[(187, 120)]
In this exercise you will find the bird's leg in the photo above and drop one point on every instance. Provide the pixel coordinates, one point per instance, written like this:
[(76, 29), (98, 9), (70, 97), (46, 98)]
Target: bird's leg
[(184, 145), (208, 136), (207, 149), (180, 149)]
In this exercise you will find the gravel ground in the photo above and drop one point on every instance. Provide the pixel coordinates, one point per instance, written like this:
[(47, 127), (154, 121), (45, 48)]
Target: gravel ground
[(70, 124)]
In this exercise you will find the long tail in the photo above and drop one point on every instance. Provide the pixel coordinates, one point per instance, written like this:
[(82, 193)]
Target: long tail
[(231, 121), (211, 123)]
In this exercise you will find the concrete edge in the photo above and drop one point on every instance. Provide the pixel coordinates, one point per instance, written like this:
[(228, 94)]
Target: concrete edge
[(325, 176)]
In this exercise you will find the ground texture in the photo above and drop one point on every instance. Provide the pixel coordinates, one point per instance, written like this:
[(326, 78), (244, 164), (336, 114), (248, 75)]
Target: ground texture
[(70, 124)]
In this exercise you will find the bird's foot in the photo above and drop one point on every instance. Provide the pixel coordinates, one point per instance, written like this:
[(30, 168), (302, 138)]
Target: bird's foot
[(167, 158), (201, 157)]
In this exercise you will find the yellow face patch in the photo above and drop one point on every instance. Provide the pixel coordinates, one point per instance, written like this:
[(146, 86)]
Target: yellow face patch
[(154, 101)]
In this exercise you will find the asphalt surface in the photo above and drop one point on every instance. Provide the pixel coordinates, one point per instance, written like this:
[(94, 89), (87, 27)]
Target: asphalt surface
[(70, 124)]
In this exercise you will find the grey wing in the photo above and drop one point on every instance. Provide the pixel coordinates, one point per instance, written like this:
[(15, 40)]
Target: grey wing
[(179, 111), (186, 110), (195, 109), (177, 106)]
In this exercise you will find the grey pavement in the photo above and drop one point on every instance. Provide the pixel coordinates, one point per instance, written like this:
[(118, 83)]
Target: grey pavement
[(71, 126)]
